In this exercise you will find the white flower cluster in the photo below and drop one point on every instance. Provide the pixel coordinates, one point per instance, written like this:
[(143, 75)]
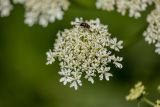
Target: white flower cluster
[(5, 8), (152, 34), (134, 7), (136, 92), (86, 49), (43, 11), (37, 11)]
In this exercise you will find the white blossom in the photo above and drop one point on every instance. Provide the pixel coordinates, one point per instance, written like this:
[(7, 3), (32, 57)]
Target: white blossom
[(5, 7), (65, 76), (133, 7), (43, 11), (152, 33), (86, 50), (50, 57)]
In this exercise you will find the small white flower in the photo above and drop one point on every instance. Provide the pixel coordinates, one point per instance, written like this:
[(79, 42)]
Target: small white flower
[(104, 73), (116, 45), (116, 61), (65, 76), (76, 79), (86, 49), (89, 75), (5, 8), (50, 57)]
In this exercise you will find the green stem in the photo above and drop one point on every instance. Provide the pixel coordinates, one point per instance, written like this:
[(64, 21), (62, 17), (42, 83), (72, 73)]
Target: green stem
[(144, 99)]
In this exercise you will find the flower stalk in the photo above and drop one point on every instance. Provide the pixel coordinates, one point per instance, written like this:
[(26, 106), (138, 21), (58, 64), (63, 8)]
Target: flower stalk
[(147, 101)]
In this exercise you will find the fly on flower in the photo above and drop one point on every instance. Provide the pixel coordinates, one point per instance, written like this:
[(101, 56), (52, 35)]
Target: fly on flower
[(85, 53), (82, 24), (85, 25)]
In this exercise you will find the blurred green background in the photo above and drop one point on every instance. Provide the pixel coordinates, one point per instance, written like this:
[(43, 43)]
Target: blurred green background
[(25, 80)]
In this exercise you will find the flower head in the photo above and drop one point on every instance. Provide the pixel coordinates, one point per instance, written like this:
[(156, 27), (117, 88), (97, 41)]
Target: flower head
[(86, 49), (157, 103), (44, 11), (136, 92), (152, 34), (5, 8), (134, 7)]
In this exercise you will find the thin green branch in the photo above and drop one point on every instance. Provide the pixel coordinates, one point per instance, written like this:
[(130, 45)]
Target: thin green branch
[(144, 99)]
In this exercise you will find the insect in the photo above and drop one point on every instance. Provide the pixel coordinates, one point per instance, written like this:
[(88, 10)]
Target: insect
[(85, 25)]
